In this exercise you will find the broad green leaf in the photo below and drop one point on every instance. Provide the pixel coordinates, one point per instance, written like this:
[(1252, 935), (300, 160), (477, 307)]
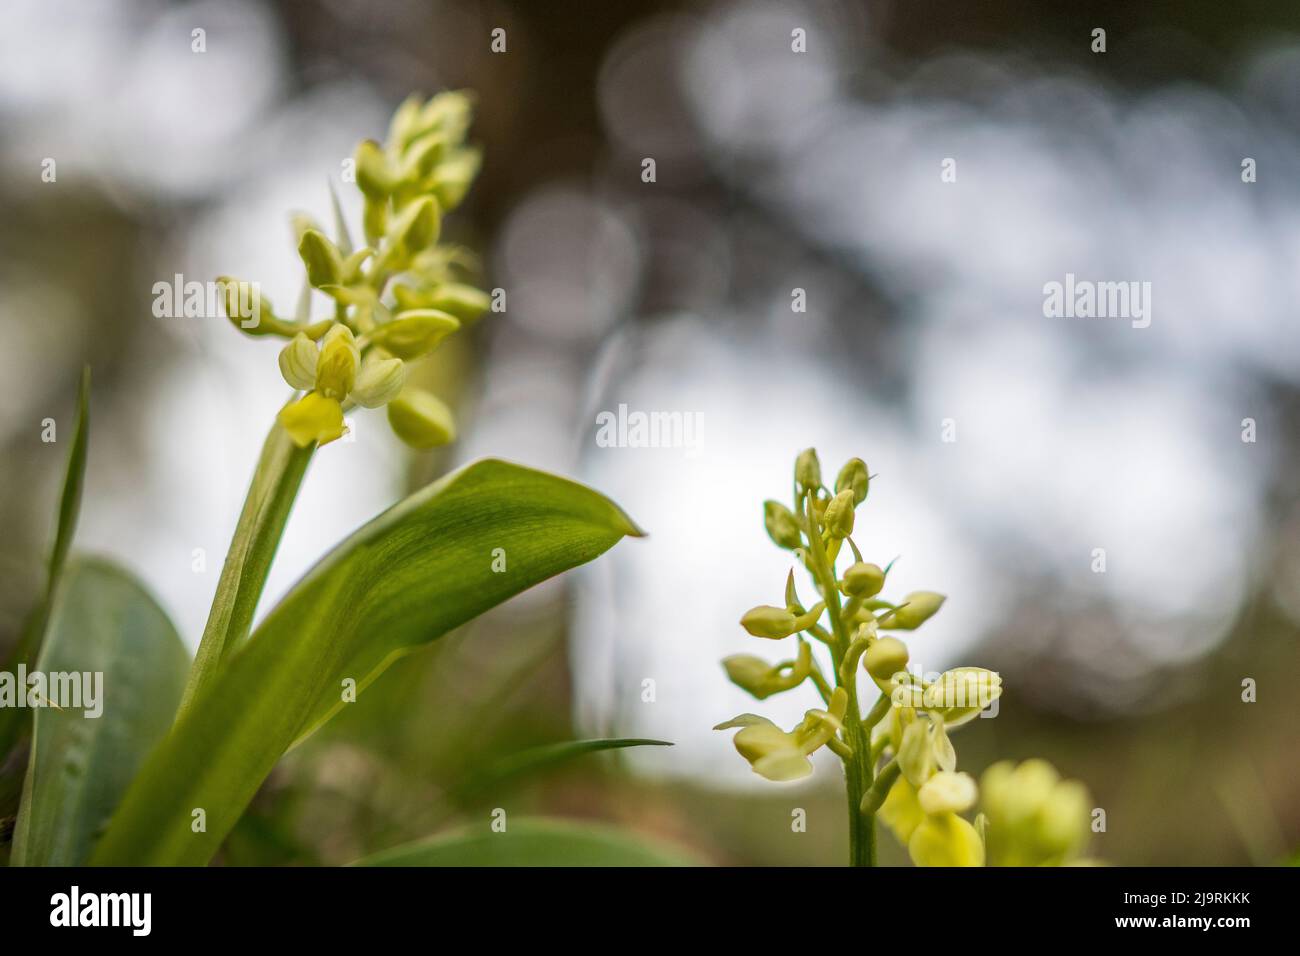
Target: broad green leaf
[(111, 637), (540, 758), (418, 570), (533, 843), (261, 524), (12, 721)]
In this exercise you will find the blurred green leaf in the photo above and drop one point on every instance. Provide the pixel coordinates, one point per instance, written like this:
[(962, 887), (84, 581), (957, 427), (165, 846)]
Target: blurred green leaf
[(541, 758), (13, 720), (103, 622), (420, 569), (533, 842)]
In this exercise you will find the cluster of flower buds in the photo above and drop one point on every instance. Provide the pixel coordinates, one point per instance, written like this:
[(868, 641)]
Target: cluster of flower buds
[(916, 790), (395, 299)]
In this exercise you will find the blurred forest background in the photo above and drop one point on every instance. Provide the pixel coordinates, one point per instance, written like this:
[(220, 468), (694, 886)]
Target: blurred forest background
[(775, 171)]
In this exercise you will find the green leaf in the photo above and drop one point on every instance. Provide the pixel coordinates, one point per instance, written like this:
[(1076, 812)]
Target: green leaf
[(533, 843), (539, 758), (418, 570), (12, 720), (106, 626)]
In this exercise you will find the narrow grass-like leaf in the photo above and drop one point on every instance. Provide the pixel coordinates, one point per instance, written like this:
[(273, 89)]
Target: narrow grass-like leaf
[(420, 569), (535, 759), (12, 721), (103, 623), (533, 842)]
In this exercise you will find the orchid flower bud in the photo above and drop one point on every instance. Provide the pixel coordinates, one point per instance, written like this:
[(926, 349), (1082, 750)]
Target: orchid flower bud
[(763, 679), (249, 310), (374, 177), (419, 161), (808, 470), (454, 175), (773, 623), (853, 476), (749, 673), (420, 419), (838, 519), (416, 227), (414, 333), (402, 128), (448, 113), (322, 258), (782, 527), (917, 608), (884, 658), (862, 580)]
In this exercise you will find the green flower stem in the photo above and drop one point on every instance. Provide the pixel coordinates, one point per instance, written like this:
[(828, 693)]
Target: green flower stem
[(819, 681), (857, 768), (275, 485), (819, 632)]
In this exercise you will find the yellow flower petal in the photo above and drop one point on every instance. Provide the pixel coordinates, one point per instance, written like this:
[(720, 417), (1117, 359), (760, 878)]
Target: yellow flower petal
[(901, 811), (336, 368), (313, 418), (946, 840)]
